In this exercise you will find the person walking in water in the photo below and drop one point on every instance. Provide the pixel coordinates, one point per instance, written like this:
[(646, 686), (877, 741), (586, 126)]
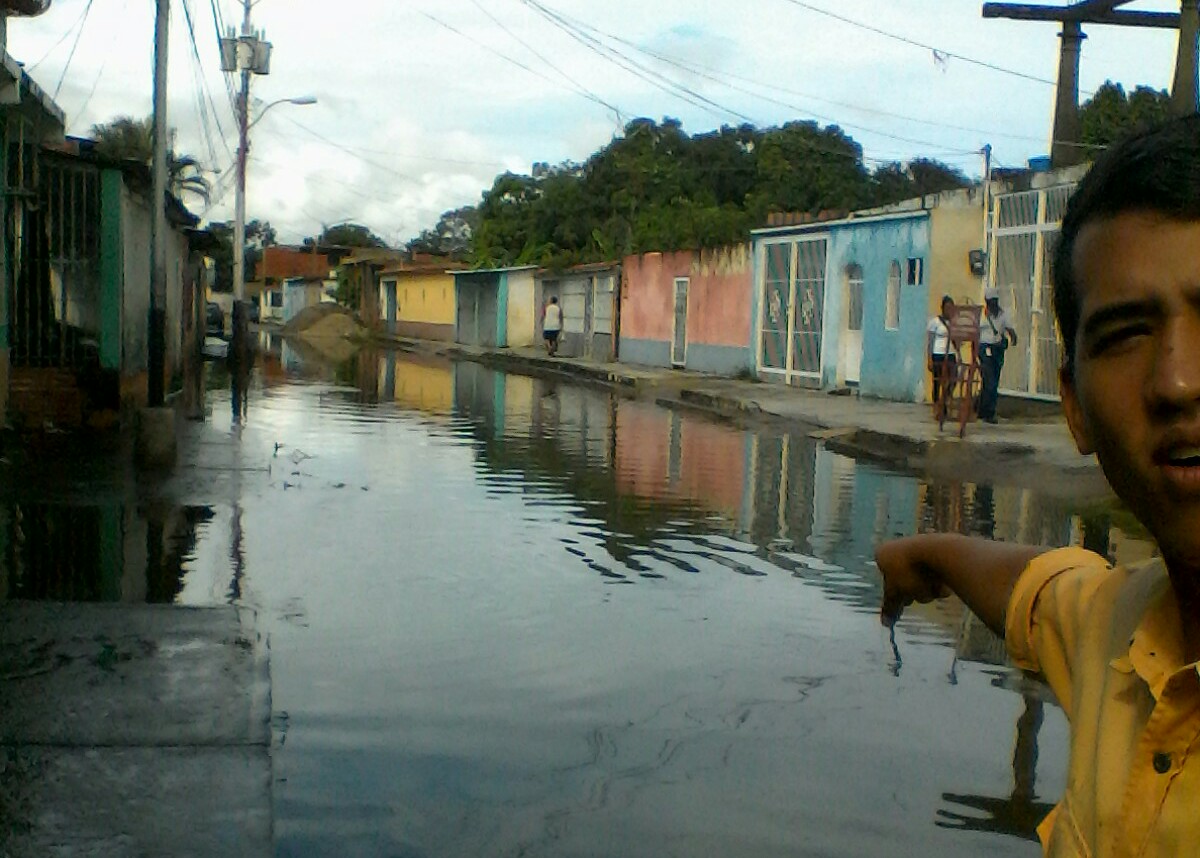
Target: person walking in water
[(552, 323), (994, 335), (940, 353)]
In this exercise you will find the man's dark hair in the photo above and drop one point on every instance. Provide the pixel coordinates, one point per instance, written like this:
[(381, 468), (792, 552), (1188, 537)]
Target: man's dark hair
[(1156, 171)]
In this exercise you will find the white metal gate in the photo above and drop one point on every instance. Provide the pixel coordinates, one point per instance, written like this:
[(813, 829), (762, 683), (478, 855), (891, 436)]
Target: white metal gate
[(792, 293), (1025, 228)]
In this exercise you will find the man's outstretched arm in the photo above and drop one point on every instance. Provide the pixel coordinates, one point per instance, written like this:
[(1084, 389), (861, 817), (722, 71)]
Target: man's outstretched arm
[(930, 566)]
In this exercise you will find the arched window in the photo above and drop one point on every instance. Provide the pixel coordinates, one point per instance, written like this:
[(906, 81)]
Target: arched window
[(891, 320)]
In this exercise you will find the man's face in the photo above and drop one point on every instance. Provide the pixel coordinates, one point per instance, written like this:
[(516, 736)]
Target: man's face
[(1134, 399)]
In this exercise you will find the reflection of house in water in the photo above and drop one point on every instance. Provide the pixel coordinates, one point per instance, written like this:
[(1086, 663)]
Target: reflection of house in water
[(416, 382), (96, 553)]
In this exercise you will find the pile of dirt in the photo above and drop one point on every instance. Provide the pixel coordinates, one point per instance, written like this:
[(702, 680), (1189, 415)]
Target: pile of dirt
[(324, 321)]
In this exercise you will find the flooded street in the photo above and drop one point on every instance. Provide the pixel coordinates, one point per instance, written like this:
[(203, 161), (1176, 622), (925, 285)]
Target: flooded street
[(516, 617)]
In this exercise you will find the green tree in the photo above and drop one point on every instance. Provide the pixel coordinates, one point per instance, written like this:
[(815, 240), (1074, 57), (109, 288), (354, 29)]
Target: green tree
[(451, 236), (1110, 114), (654, 187), (350, 235), (129, 139), (222, 255)]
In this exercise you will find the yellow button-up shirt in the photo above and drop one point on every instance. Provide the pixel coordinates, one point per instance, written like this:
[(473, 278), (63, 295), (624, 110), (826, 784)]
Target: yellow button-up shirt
[(1110, 643)]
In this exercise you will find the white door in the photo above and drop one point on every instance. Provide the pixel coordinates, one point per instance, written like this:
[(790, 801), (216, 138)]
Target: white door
[(852, 333)]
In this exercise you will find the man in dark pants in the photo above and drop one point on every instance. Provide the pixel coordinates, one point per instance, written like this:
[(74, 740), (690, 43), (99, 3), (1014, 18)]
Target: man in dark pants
[(994, 335)]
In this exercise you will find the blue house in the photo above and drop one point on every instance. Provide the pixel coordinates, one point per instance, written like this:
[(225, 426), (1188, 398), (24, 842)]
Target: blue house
[(845, 303)]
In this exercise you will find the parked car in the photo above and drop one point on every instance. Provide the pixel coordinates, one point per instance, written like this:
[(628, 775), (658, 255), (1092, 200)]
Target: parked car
[(214, 319)]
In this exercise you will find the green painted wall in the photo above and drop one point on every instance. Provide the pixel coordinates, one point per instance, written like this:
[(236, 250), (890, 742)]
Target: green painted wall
[(111, 268)]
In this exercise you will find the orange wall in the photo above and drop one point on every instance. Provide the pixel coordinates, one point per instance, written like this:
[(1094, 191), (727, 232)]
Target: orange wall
[(719, 284)]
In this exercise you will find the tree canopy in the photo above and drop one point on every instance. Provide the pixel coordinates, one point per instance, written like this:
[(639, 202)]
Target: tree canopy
[(1111, 114), (128, 139), (655, 187), (350, 235), (258, 232)]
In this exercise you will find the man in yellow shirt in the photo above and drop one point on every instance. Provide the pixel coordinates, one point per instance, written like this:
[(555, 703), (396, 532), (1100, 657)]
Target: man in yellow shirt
[(1120, 647)]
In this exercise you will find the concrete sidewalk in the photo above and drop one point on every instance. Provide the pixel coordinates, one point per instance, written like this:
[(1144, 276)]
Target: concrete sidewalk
[(903, 434), (133, 730)]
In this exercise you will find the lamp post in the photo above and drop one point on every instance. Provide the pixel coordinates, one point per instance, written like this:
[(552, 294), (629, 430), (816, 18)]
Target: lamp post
[(238, 345)]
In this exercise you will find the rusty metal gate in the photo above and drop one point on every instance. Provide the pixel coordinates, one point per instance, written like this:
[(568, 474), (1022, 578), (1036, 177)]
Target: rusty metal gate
[(53, 237)]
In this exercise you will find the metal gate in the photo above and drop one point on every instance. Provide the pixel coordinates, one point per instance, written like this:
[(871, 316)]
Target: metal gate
[(1025, 228), (53, 246), (793, 308)]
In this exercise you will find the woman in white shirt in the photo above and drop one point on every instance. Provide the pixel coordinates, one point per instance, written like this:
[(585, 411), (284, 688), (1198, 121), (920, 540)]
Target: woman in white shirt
[(940, 350)]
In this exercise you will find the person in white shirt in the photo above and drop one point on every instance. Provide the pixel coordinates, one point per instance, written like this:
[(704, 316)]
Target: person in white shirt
[(552, 322), (994, 335), (940, 350)]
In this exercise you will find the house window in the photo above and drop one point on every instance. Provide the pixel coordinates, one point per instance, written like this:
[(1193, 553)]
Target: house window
[(276, 298), (916, 271), (891, 320)]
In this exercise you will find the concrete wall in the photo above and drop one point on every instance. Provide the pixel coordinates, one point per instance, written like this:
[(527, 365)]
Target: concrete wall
[(425, 299), (719, 313), (893, 361), (135, 302), (523, 319), (956, 228)]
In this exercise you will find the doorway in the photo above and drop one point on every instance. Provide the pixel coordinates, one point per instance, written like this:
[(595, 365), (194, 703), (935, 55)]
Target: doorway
[(852, 333), (679, 335)]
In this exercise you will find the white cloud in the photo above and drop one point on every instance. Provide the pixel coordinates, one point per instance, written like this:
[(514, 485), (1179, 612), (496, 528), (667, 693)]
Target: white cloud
[(416, 117)]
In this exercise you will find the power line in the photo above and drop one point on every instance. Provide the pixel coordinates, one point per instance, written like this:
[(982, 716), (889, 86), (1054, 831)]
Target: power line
[(586, 94), (701, 72), (704, 71), (66, 34), (341, 148), (574, 83), (562, 22), (938, 53), (74, 45), (198, 65), (659, 81), (99, 74)]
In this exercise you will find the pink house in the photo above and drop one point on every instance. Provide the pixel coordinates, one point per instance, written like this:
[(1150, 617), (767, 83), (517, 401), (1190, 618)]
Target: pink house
[(689, 308)]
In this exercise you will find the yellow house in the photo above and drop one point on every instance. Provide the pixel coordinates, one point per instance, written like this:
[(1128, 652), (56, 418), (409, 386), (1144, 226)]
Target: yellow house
[(416, 299)]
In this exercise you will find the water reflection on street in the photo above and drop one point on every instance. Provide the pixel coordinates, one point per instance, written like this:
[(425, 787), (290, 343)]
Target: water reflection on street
[(516, 616)]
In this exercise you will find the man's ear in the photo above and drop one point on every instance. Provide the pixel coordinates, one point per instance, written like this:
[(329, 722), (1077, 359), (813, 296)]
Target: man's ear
[(1076, 420)]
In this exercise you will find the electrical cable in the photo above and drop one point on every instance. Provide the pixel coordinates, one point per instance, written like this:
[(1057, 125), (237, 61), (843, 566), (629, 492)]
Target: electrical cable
[(937, 52), (574, 83), (517, 63), (74, 45), (66, 34), (199, 66)]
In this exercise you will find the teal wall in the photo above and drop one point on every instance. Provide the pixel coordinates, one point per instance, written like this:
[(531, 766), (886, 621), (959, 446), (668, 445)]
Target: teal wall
[(893, 361)]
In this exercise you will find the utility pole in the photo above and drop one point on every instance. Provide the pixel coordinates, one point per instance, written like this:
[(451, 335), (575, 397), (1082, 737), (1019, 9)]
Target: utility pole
[(247, 53), (1065, 148), (158, 214)]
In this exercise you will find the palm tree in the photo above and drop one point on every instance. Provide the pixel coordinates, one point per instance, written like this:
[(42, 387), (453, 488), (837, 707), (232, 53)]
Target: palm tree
[(129, 139)]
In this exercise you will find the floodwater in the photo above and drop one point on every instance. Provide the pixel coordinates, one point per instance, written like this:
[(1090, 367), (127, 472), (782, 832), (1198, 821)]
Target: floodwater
[(518, 617)]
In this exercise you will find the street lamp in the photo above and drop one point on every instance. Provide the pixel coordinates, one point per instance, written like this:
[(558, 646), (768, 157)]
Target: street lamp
[(239, 215)]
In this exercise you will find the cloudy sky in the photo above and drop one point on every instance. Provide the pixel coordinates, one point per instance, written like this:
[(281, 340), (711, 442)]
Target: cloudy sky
[(422, 102)]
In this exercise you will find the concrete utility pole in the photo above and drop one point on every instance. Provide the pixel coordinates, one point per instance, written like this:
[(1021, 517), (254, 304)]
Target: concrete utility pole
[(158, 214), (246, 45), (1065, 149), (1184, 89)]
